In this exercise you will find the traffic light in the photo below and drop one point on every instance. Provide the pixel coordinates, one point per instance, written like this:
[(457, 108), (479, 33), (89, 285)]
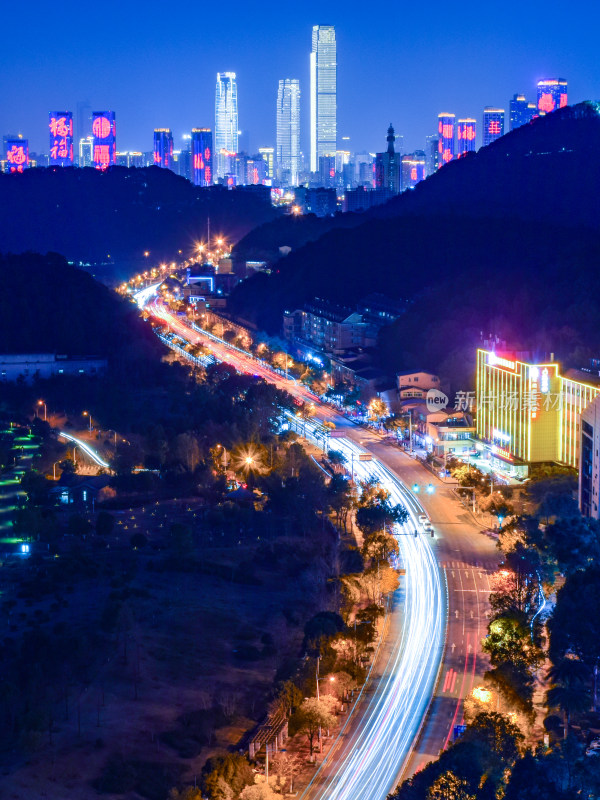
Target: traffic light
[(430, 488), (415, 488)]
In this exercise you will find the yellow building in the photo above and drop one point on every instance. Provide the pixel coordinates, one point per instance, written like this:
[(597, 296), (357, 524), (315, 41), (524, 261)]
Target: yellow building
[(528, 413)]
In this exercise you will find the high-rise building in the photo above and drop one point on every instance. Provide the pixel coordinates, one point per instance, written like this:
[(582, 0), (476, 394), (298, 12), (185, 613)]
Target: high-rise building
[(61, 138), (288, 131), (413, 169), (17, 154), (105, 145), (163, 147), (327, 171), (521, 111), (323, 94), (493, 124), (387, 166), (202, 156), (446, 141), (466, 133), (226, 121), (268, 156), (86, 151), (432, 153), (551, 94)]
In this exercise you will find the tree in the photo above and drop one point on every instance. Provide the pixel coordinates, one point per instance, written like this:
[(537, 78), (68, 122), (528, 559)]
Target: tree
[(501, 736), (78, 525), (193, 793), (105, 523), (571, 630), (259, 791), (232, 769), (187, 451), (312, 716), (374, 512), (569, 692), (286, 766), (289, 697), (449, 787), (379, 546), (378, 409)]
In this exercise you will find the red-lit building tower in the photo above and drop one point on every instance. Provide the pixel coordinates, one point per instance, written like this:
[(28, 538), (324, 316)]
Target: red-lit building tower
[(446, 132), (466, 132)]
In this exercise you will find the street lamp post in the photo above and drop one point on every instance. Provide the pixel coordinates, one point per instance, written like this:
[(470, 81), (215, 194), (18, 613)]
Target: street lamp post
[(42, 403), (87, 414)]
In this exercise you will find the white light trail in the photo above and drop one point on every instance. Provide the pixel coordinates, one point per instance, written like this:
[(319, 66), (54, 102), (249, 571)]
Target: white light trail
[(86, 449)]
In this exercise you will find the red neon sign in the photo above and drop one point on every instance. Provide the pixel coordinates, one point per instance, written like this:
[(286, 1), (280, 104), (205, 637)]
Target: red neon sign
[(101, 127), (563, 101), (494, 127), (546, 102)]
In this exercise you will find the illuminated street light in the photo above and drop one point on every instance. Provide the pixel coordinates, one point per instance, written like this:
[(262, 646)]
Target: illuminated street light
[(41, 403), (482, 694), (430, 488), (87, 414)]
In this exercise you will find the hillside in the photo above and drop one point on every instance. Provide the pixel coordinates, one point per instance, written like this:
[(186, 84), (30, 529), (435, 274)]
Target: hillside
[(504, 241), (113, 217), (48, 306)]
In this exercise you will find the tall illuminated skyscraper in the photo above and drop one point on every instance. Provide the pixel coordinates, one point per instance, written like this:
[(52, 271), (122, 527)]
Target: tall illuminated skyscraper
[(163, 147), (202, 156), (551, 94), (446, 132), (467, 129), (493, 124), (323, 94), (226, 121), (288, 131)]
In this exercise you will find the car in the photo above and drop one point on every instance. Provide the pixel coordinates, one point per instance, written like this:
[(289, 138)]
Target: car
[(423, 519)]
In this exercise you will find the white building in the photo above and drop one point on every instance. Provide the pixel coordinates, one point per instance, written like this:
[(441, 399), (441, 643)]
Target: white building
[(323, 94), (30, 366), (226, 121), (288, 131)]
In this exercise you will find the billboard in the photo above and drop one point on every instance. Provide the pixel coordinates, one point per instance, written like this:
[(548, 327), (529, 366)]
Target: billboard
[(104, 134), (17, 154), (202, 159), (61, 138)]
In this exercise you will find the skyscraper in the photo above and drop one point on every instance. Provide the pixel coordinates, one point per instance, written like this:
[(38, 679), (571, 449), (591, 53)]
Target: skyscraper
[(551, 94), (288, 131), (432, 153), (105, 144), (467, 129), (268, 156), (446, 132), (226, 121), (388, 166), (521, 111), (493, 124), (163, 147), (61, 138), (17, 154), (323, 94), (202, 156)]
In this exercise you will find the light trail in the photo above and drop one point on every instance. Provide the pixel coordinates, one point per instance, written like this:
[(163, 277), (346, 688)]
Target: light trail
[(144, 295), (372, 760), (86, 449)]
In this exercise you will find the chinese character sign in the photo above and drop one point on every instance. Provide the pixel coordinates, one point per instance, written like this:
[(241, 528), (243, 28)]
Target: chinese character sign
[(163, 147), (61, 138), (17, 154), (202, 156), (104, 131)]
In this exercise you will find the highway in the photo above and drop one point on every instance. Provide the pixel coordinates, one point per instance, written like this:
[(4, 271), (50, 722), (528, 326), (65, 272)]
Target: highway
[(442, 600)]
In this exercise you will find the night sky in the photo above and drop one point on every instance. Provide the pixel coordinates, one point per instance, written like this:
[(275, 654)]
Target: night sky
[(155, 64)]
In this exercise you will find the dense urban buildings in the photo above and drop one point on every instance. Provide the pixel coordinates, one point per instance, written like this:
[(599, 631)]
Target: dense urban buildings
[(493, 124), (288, 132), (323, 94), (446, 141), (466, 132), (226, 122), (105, 142), (61, 138), (527, 411), (551, 94), (521, 111), (163, 147), (202, 156)]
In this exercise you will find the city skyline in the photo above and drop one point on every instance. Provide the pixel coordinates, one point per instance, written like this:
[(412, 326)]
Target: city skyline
[(142, 102)]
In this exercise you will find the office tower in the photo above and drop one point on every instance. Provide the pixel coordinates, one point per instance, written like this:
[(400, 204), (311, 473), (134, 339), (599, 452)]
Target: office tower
[(387, 166), (84, 119), (86, 151), (327, 171), (61, 138), (323, 89), (521, 111), (226, 121), (466, 132), (105, 144), (413, 169), (268, 156), (288, 131), (446, 141), (432, 154), (17, 154), (202, 156), (551, 94), (163, 147), (493, 124)]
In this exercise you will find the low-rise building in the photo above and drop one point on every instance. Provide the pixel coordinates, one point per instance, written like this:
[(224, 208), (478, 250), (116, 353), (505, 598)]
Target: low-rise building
[(30, 366), (450, 433), (330, 328), (416, 384)]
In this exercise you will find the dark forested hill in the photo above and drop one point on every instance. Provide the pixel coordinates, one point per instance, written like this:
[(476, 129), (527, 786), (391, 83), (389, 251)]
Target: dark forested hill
[(504, 241), (115, 216), (48, 306)]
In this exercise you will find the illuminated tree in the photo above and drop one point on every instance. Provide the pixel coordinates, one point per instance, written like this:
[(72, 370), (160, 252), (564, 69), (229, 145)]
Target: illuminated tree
[(449, 787)]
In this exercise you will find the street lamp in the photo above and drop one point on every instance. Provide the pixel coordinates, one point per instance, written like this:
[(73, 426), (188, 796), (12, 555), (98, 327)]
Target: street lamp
[(87, 414), (41, 403)]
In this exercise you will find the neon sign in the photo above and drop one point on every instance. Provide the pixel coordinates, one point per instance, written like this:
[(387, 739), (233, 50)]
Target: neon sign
[(494, 128), (104, 145), (498, 361), (546, 102), (17, 154), (61, 138)]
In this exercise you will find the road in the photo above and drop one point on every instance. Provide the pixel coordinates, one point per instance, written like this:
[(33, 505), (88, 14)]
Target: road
[(410, 717)]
